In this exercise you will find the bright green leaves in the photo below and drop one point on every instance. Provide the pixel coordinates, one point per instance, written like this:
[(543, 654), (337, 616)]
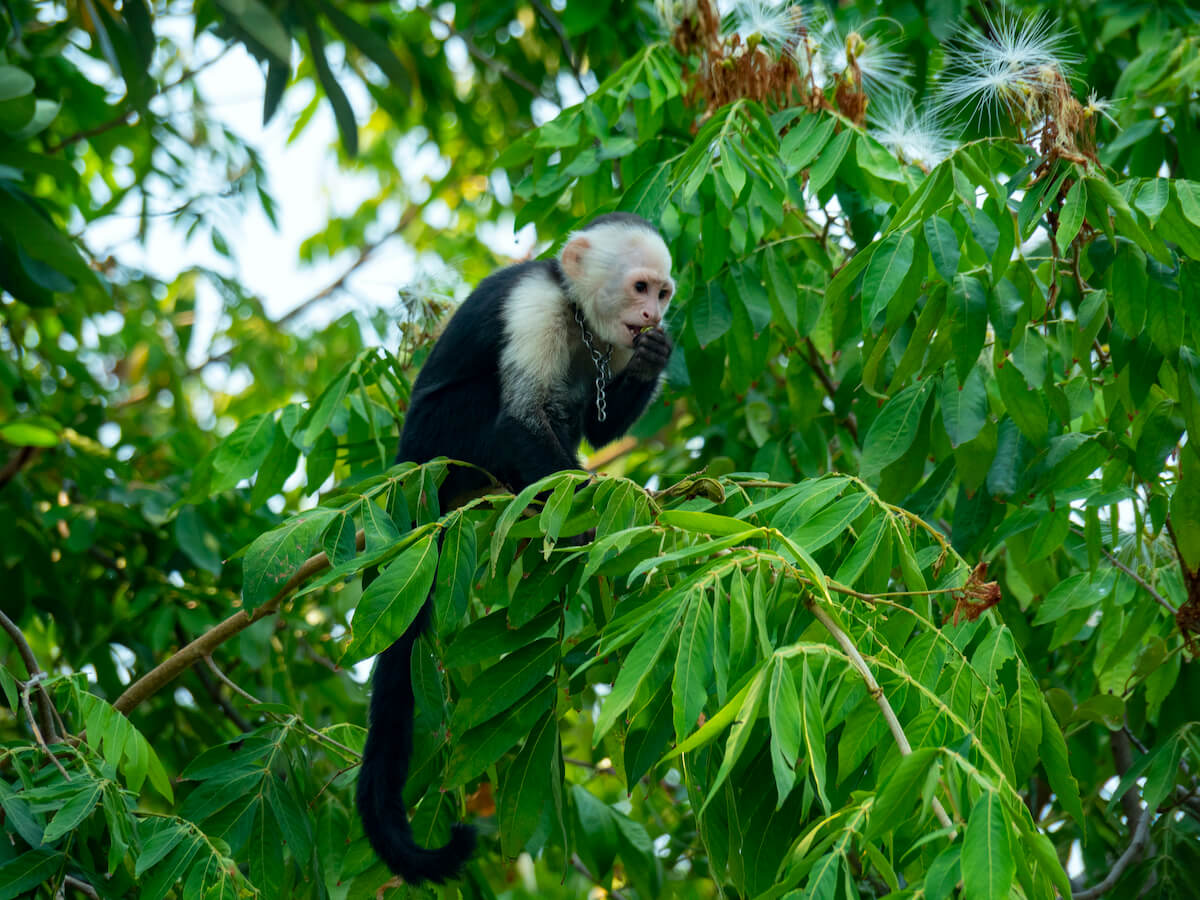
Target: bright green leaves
[(393, 599), (894, 429), (275, 556), (988, 867), (885, 273), (943, 242)]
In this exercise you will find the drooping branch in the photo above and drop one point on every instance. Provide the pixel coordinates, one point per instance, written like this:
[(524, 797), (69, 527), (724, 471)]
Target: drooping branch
[(173, 666), (876, 692), (16, 463)]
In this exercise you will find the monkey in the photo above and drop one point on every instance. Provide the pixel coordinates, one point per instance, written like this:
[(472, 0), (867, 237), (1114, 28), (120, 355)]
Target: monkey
[(540, 355)]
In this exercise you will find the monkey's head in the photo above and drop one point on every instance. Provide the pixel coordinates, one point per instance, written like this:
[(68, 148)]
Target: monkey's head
[(619, 272)]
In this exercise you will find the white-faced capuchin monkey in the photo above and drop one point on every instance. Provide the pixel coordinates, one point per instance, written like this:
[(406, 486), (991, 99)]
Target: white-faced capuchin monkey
[(539, 356)]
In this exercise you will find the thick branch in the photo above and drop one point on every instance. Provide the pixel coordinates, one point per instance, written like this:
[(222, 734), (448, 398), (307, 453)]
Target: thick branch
[(173, 666), (1141, 835), (877, 695)]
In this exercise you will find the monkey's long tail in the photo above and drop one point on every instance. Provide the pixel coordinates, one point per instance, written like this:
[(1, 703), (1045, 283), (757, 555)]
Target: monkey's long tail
[(385, 762)]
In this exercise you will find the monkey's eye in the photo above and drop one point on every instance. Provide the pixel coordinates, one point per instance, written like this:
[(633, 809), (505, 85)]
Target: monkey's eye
[(662, 295), (640, 287)]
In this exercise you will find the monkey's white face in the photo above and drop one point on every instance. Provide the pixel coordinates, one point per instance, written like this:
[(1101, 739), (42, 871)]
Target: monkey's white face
[(621, 277)]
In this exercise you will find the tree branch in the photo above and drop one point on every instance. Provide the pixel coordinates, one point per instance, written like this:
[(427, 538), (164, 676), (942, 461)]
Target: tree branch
[(173, 666), (364, 254), (1133, 852), (494, 64), (557, 27), (1155, 595), (16, 463), (123, 118), (877, 695), (46, 709)]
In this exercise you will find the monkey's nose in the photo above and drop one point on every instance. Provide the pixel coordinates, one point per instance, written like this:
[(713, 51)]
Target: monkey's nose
[(651, 317)]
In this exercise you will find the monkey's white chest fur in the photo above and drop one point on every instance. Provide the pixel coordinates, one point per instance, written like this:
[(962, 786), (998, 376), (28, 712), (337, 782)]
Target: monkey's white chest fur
[(541, 337)]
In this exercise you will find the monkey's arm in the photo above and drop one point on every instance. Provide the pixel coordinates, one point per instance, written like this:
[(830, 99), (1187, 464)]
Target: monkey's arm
[(628, 395)]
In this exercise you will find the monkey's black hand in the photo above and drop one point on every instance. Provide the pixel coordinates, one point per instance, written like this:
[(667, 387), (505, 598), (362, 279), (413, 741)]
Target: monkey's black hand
[(651, 350)]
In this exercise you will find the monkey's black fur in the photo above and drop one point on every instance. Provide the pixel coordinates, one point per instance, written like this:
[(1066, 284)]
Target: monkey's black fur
[(456, 411)]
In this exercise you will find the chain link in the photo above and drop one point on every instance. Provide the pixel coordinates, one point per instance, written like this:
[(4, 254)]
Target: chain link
[(601, 362)]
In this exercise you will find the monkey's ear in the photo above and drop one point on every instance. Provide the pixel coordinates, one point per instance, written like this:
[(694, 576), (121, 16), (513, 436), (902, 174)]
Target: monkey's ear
[(573, 255)]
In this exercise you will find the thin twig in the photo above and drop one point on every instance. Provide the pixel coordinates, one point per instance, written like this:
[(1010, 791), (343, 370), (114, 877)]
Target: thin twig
[(557, 27), (817, 365), (364, 254), (37, 732), (214, 692), (45, 704), (878, 696), (578, 866), (124, 117), (174, 665), (246, 695), (1155, 595), (494, 64)]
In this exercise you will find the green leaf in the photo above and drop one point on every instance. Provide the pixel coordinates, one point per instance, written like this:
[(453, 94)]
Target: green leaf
[(637, 666), (824, 168), (813, 732), (693, 666), (967, 306), (504, 684), (77, 808), (261, 25), (1075, 592), (895, 428), (784, 712), (32, 432), (739, 734), (162, 840), (943, 247), (456, 570), (704, 523), (526, 785), (964, 406), (1127, 287), (372, 45), (1071, 216), (240, 454), (830, 523), (710, 314), (343, 113), (885, 273), (27, 871), (1188, 193), (1026, 407), (274, 557), (480, 747), (801, 145), (393, 600), (988, 866), (898, 790), (1055, 761), (1152, 198), (14, 83)]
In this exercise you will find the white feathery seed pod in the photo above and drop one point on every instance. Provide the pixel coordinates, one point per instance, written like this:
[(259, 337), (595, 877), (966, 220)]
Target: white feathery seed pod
[(774, 24), (915, 137), (1004, 71), (880, 66)]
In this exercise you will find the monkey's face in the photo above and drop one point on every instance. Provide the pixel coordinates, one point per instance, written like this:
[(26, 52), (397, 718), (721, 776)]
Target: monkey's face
[(621, 277), (643, 296)]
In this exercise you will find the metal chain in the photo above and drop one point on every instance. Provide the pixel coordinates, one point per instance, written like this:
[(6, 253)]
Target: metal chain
[(601, 362)]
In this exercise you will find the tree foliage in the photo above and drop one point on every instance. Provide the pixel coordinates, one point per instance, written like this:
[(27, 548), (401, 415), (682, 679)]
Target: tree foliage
[(896, 592)]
